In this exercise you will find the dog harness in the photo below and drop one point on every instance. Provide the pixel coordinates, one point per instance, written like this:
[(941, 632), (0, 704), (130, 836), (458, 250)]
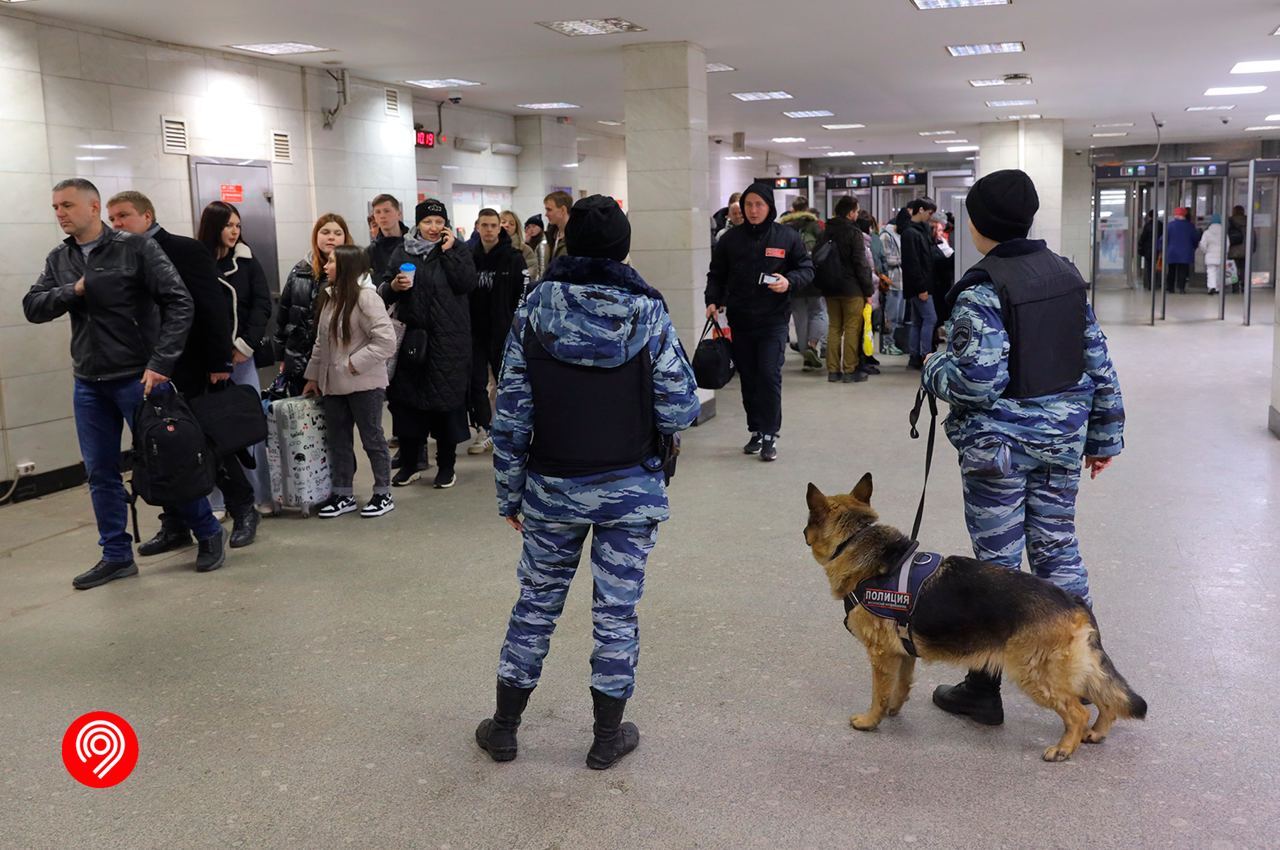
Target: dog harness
[(893, 595)]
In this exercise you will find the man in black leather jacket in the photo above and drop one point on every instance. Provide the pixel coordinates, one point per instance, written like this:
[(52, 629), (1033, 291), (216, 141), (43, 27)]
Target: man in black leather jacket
[(130, 315)]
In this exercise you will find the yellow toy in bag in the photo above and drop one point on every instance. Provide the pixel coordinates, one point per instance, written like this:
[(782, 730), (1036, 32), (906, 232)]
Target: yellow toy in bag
[(868, 338)]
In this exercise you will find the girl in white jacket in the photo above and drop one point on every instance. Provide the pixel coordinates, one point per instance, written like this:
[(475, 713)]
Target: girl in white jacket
[(1211, 245)]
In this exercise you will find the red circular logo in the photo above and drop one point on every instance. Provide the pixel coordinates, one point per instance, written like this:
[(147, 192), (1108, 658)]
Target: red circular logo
[(100, 749)]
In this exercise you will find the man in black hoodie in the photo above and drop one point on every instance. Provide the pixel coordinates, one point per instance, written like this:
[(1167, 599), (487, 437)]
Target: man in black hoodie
[(391, 231), (753, 268), (502, 275)]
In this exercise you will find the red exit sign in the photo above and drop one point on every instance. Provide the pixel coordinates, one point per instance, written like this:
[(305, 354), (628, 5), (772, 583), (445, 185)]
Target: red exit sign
[(425, 139)]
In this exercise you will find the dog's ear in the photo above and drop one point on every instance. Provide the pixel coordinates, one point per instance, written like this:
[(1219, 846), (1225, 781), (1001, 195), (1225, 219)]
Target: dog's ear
[(817, 501), (862, 492)]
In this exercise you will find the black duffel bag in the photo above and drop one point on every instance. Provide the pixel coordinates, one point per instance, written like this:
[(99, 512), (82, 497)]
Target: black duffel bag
[(231, 416), (713, 358)]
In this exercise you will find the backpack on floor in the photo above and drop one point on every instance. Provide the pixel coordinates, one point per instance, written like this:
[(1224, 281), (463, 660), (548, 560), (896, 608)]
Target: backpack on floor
[(173, 462)]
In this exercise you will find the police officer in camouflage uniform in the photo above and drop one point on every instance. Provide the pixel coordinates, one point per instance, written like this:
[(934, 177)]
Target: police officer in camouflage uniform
[(1034, 398), (592, 371)]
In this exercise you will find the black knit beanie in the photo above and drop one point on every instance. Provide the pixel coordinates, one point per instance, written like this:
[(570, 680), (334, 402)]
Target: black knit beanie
[(598, 228), (430, 207), (535, 220), (1003, 205)]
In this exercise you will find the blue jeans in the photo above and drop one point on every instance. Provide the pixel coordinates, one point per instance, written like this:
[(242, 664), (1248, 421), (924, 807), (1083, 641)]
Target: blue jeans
[(924, 318), (102, 408), (893, 305)]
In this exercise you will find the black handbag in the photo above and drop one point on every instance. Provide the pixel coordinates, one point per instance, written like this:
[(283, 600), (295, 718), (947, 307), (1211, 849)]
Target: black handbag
[(713, 358), (231, 416)]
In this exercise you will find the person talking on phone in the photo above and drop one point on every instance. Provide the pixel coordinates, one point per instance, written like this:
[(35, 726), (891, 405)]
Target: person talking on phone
[(754, 268)]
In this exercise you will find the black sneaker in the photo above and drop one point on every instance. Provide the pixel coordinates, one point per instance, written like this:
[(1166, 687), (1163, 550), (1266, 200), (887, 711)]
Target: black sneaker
[(166, 540), (855, 377), (212, 553), (753, 445), (337, 506), (977, 697), (103, 572), (834, 377), (869, 368), (380, 504), (769, 449), (445, 480), (405, 476)]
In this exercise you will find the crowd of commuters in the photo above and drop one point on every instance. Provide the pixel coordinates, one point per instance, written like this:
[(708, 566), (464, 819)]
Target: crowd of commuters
[(1171, 251)]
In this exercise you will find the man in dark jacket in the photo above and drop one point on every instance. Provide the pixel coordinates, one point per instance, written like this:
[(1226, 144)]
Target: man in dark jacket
[(391, 232), (130, 315), (845, 302), (753, 268), (206, 360), (918, 278), (501, 274)]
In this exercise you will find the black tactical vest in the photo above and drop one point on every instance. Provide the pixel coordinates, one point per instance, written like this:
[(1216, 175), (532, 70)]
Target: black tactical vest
[(1043, 303), (588, 419)]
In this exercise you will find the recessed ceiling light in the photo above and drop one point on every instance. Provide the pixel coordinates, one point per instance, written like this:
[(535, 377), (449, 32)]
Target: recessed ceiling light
[(1226, 91), (570, 165), (937, 132), (717, 67), (281, 48), (732, 158), (761, 95), (821, 148), (873, 162), (928, 5), (985, 49), (841, 153), (1011, 80), (592, 26), (1030, 116), (89, 158), (1109, 135), (788, 140), (1272, 117), (13, 1), (843, 126), (810, 113), (961, 148), (951, 141), (123, 147), (446, 83), (548, 106), (451, 167), (1199, 158), (1120, 124), (996, 104), (1246, 129), (1259, 66), (610, 123), (970, 159), (1210, 108)]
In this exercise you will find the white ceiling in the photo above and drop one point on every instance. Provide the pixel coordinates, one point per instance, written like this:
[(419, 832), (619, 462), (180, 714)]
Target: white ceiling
[(882, 63)]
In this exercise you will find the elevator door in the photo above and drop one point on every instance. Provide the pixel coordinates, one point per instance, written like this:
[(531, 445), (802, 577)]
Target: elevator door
[(246, 185)]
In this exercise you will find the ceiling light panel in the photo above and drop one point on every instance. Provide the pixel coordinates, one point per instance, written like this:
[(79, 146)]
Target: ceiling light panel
[(1120, 124), (1257, 66), (951, 141), (1109, 135), (930, 5), (719, 67), (735, 158), (937, 132), (1210, 108), (1002, 81), (281, 48), (843, 126), (841, 153), (788, 140), (821, 148), (961, 148), (1227, 91), (997, 104), (810, 113), (749, 96), (447, 83), (873, 162), (1246, 129), (610, 123), (548, 106), (1030, 116), (592, 26), (985, 49)]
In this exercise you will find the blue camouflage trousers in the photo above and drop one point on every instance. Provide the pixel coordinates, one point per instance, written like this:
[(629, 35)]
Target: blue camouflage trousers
[(1033, 506), (547, 565)]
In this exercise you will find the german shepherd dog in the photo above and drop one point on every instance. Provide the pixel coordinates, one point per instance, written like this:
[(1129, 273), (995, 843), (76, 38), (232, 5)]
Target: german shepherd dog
[(974, 614)]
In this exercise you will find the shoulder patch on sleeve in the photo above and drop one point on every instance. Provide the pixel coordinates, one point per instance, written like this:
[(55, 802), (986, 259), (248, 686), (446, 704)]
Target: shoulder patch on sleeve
[(962, 336)]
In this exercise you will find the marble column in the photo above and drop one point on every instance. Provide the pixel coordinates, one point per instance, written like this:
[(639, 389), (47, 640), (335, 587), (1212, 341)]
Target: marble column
[(548, 161), (666, 120), (1036, 148)]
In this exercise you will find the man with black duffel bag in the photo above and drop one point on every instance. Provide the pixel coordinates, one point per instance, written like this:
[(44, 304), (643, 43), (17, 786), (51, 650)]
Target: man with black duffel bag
[(713, 358)]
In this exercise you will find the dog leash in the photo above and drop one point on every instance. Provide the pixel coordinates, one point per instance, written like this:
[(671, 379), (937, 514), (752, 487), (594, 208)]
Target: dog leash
[(921, 395)]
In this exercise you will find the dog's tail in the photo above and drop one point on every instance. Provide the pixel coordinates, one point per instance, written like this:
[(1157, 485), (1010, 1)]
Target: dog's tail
[(1103, 683)]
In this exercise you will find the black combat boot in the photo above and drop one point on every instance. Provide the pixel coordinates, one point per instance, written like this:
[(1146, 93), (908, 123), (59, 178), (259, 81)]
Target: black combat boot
[(497, 735), (244, 527), (977, 697), (614, 739), (172, 535)]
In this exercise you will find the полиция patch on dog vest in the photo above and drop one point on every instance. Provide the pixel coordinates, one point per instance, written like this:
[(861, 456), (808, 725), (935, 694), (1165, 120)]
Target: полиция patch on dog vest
[(893, 595)]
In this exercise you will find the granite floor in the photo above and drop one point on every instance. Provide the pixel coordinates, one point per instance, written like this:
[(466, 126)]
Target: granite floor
[(321, 690)]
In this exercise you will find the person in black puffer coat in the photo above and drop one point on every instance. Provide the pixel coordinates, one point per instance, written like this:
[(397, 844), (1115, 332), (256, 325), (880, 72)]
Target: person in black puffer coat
[(429, 399), (502, 274), (296, 313)]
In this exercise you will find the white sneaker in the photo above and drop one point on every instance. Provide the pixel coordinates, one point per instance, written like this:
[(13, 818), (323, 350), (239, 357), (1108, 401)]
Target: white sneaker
[(481, 444)]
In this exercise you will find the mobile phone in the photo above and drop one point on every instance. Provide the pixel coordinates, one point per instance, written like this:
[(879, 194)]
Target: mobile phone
[(768, 279)]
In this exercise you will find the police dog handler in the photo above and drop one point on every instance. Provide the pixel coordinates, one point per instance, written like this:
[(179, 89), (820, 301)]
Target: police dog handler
[(592, 370), (1033, 398)]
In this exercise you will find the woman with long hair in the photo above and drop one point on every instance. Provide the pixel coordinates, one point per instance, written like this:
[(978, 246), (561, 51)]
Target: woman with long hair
[(348, 369), (296, 315), (250, 301), (511, 224)]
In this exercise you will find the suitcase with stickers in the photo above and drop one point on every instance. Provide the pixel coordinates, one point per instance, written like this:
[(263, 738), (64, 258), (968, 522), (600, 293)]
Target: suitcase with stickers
[(296, 454)]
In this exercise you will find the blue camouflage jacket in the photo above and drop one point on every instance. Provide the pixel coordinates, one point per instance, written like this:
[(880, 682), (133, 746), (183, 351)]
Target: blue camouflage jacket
[(972, 373), (592, 312)]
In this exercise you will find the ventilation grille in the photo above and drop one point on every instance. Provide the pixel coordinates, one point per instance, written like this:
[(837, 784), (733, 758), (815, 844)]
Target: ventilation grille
[(174, 133), (281, 147), (393, 102)]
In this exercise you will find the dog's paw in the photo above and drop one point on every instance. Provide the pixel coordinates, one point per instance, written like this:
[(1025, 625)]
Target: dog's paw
[(1094, 737), (1056, 753), (864, 722)]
